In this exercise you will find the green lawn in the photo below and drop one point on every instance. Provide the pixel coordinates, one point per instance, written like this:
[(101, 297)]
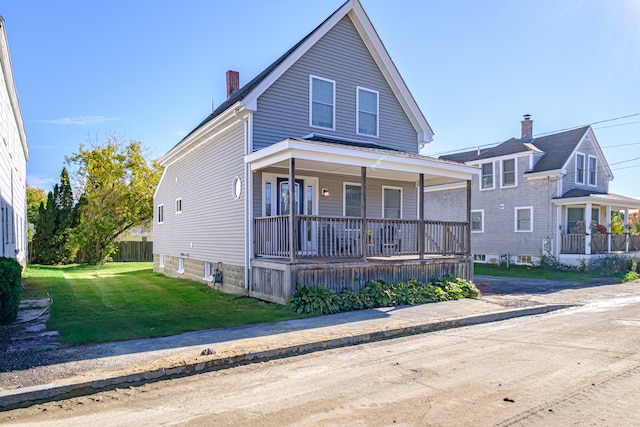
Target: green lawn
[(531, 272), (120, 301)]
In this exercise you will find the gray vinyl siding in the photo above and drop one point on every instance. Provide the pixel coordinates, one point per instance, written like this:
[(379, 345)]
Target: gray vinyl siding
[(333, 205), (211, 225), (586, 147), (341, 56)]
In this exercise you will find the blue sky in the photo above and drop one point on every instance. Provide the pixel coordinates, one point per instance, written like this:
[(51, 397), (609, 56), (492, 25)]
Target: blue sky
[(149, 70)]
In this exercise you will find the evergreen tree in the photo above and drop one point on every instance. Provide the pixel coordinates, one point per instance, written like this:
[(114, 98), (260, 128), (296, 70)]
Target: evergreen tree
[(56, 220)]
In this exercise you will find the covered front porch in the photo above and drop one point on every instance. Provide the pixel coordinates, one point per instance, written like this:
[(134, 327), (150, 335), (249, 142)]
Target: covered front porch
[(389, 238), (597, 224)]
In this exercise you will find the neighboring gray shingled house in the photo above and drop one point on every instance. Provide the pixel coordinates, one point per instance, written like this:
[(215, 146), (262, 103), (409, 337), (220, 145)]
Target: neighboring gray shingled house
[(333, 116), (533, 197)]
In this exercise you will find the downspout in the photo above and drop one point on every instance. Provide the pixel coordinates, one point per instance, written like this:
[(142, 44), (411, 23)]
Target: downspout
[(248, 207)]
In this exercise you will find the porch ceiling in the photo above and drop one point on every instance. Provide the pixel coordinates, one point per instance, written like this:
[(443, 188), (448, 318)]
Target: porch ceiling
[(347, 160)]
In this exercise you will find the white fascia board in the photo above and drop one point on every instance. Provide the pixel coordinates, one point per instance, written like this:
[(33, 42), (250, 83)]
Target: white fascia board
[(385, 63), (575, 149), (155, 193), (600, 154), (201, 134), (545, 174), (361, 158), (444, 187), (7, 71), (376, 48)]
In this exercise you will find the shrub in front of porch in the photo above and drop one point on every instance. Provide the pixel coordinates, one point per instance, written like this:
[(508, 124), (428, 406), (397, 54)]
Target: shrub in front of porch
[(318, 299)]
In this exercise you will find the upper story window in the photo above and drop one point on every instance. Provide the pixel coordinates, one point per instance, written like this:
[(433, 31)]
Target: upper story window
[(322, 100), (486, 178), (580, 168), (477, 221), (509, 173), (593, 168), (160, 214), (352, 200), (179, 205), (367, 119), (391, 202)]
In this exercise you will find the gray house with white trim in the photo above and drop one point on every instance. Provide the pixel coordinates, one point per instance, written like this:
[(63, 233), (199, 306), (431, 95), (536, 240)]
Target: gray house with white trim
[(536, 196), (333, 117)]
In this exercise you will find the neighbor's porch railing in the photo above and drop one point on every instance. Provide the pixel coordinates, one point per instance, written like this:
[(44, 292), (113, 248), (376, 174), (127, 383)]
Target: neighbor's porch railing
[(338, 237), (601, 243)]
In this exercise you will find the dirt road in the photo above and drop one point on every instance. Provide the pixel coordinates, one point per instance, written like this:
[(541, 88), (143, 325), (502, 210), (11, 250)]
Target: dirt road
[(577, 367)]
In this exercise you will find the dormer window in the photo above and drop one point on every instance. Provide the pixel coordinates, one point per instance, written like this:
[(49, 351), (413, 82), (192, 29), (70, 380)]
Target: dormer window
[(580, 168), (509, 173), (322, 99)]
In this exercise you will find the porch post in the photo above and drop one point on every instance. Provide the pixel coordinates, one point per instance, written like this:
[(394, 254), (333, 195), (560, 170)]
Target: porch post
[(468, 232), (608, 223), (364, 237), (587, 229), (558, 248), (292, 211), (627, 223), (421, 217)]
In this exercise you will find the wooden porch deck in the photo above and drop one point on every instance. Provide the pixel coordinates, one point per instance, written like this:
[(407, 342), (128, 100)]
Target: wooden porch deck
[(602, 243)]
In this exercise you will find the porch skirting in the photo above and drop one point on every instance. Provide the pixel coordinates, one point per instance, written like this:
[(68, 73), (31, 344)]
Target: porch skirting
[(275, 280)]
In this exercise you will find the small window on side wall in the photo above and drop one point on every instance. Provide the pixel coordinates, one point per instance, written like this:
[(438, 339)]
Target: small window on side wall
[(179, 205), (486, 179), (477, 221), (524, 219), (160, 214)]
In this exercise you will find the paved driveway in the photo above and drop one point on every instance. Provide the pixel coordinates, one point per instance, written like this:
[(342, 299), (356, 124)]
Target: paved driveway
[(517, 285)]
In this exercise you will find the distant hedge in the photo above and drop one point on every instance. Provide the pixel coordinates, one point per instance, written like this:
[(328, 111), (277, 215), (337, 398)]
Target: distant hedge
[(10, 275)]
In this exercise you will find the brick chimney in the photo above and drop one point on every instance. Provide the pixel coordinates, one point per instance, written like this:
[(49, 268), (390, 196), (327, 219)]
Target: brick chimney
[(233, 82), (527, 128)]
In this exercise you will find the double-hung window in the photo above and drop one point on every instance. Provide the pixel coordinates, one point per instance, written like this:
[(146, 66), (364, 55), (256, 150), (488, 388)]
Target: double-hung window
[(477, 221), (352, 200), (593, 168), (367, 118), (322, 100), (160, 214), (486, 179), (509, 173), (179, 205), (391, 202), (524, 219), (580, 168)]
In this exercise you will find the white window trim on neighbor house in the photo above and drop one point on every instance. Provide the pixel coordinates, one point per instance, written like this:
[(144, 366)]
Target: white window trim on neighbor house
[(389, 187), (579, 179), (344, 197), (161, 214), (359, 111), (515, 173), (180, 266), (481, 212), (179, 205), (208, 276), (312, 101), (493, 174), (592, 170), (523, 208)]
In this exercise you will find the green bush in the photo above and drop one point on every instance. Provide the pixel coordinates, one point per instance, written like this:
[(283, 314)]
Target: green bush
[(10, 275), (317, 299)]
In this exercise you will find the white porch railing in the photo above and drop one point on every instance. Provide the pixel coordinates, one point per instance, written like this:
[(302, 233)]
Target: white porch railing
[(601, 243), (339, 237)]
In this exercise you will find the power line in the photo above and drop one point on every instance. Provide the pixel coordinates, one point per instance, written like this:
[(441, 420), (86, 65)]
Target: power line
[(461, 150)]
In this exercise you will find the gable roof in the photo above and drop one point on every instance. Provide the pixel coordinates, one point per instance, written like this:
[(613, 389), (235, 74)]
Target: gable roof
[(248, 94), (556, 149)]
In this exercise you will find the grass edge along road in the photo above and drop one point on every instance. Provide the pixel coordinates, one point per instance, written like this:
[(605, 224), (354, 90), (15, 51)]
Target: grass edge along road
[(121, 301)]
